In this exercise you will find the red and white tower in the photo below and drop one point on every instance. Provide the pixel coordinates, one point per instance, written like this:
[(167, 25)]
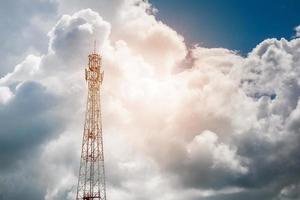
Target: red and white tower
[(91, 180)]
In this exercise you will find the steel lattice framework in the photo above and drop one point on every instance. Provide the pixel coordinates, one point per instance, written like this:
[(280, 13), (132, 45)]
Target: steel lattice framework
[(91, 180)]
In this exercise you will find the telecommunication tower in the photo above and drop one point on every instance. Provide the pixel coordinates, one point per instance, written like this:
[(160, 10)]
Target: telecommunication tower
[(91, 180)]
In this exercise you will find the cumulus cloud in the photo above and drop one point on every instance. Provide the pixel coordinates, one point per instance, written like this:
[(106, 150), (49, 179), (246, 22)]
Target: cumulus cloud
[(24, 31), (179, 123), (5, 94), (35, 107), (74, 33), (28, 121), (297, 29)]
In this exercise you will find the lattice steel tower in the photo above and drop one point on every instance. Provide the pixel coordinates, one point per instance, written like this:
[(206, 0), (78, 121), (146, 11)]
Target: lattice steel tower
[(91, 180)]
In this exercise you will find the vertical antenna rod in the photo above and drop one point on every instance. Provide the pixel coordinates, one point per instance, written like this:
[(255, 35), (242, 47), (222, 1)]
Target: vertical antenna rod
[(95, 46)]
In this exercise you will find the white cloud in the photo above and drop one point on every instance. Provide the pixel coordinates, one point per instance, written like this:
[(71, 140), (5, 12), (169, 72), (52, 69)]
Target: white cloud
[(178, 123), (76, 32), (26, 70), (5, 94), (297, 29), (222, 156)]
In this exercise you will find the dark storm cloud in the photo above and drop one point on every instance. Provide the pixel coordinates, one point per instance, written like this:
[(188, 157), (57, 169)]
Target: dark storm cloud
[(26, 122), (272, 166), (291, 192), (21, 182)]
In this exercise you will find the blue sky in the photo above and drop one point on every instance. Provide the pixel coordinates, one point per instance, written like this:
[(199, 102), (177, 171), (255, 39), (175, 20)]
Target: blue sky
[(233, 24)]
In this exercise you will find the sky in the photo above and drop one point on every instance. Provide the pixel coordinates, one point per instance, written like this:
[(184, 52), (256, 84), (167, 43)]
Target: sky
[(186, 114), (233, 24)]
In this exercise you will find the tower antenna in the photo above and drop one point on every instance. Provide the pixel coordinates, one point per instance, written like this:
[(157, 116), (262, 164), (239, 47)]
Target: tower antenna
[(91, 179), (95, 46)]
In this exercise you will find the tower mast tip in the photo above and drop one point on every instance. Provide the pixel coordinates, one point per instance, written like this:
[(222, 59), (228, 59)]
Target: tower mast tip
[(95, 45)]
